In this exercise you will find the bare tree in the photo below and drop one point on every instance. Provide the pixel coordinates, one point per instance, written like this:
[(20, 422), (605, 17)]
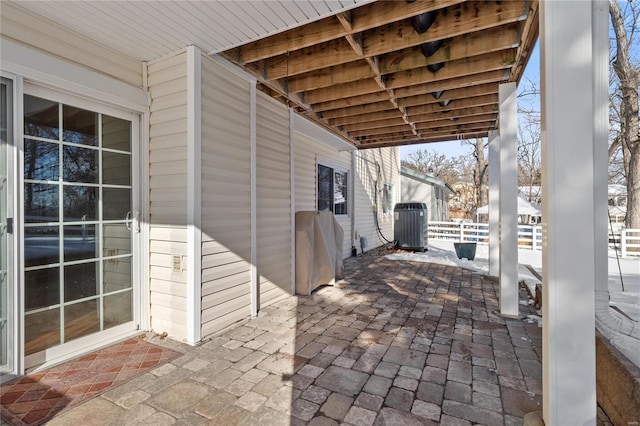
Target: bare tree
[(431, 162), (480, 173), (628, 138)]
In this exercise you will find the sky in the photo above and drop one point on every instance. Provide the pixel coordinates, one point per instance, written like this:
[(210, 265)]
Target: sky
[(455, 148)]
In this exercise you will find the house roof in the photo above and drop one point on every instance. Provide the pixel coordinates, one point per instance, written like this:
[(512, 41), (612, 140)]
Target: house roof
[(425, 178), (376, 73), (524, 208)]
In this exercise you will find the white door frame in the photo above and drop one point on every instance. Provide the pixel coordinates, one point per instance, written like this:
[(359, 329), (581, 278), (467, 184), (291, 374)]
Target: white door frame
[(93, 341), (15, 335)]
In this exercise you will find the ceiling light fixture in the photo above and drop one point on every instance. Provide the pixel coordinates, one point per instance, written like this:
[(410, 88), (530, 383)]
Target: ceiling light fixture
[(428, 49), (435, 67), (422, 22)]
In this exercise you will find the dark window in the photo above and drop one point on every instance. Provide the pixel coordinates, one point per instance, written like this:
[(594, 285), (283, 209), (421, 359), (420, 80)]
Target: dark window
[(333, 190)]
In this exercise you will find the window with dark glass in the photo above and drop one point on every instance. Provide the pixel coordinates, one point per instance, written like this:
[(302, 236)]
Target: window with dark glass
[(333, 190)]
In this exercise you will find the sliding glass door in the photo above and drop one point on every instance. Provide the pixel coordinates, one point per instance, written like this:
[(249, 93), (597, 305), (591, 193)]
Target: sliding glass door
[(80, 223)]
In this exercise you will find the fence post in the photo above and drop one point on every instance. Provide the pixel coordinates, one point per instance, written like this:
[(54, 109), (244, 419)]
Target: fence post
[(461, 232), (623, 242)]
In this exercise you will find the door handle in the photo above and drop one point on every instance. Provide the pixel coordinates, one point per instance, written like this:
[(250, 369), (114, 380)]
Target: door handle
[(9, 226), (127, 222)]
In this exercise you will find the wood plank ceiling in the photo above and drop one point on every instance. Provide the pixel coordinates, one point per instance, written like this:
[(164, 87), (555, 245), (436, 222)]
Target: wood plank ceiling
[(399, 72)]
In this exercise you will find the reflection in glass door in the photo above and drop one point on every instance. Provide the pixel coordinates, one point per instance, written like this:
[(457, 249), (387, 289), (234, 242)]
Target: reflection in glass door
[(7, 319), (77, 223)]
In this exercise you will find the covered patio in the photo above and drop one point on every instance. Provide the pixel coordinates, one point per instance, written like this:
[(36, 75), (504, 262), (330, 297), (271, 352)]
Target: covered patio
[(394, 342)]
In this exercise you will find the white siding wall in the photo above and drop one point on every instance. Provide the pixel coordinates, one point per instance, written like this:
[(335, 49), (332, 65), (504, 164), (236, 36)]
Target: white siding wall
[(168, 193), (368, 194), (414, 190), (226, 197), (308, 152), (19, 25), (273, 185)]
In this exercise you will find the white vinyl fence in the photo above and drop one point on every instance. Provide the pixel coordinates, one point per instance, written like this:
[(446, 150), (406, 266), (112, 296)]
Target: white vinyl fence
[(529, 236)]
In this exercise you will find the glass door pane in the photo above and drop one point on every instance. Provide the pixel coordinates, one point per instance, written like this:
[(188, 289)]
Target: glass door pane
[(6, 276), (78, 217)]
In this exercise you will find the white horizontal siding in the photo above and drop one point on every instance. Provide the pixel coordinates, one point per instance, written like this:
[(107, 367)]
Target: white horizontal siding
[(369, 183), (168, 194), (25, 27), (273, 187), (226, 197), (308, 152)]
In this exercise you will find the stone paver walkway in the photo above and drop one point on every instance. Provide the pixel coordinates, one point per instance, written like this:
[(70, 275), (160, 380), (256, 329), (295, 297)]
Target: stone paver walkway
[(394, 343)]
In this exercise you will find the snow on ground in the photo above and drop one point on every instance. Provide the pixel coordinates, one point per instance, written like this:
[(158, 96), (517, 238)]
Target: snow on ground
[(622, 273), (442, 252)]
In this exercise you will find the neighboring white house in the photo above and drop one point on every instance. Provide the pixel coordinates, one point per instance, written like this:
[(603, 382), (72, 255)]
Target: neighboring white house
[(424, 188), (167, 188)]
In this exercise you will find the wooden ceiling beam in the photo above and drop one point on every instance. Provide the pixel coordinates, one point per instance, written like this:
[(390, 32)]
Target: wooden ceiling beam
[(395, 121), (455, 21), (429, 98), (465, 46), (458, 120), (407, 139), (354, 71), (368, 117), (324, 30), (500, 75), (394, 135), (458, 104), (369, 98), (457, 113), (490, 62), (414, 140), (276, 87), (400, 37), (341, 91), (381, 130), (359, 113), (530, 30), (457, 126)]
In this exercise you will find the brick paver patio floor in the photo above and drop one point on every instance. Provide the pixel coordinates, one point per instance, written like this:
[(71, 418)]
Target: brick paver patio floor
[(393, 343)]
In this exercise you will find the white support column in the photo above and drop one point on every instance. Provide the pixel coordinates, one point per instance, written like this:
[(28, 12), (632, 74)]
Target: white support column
[(255, 278), (600, 157), (194, 192), (292, 177), (508, 200), (569, 212), (494, 203)]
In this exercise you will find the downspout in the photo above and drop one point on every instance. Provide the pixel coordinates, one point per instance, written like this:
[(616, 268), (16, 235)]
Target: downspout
[(354, 250)]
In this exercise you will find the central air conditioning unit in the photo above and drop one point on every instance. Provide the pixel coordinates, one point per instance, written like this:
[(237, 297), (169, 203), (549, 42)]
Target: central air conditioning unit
[(410, 226)]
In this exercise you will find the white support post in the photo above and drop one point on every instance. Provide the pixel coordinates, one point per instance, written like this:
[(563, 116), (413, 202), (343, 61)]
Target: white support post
[(462, 232), (494, 203), (508, 202), (569, 211), (194, 191), (292, 178), (600, 60), (255, 278)]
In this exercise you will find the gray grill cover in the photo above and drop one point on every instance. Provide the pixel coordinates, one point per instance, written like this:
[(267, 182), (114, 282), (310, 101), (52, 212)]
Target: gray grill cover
[(319, 239)]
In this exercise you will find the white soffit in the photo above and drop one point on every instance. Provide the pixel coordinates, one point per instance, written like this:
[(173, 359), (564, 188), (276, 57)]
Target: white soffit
[(147, 30)]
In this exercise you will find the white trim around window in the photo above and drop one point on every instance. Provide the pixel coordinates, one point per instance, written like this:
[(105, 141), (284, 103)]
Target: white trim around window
[(344, 206)]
